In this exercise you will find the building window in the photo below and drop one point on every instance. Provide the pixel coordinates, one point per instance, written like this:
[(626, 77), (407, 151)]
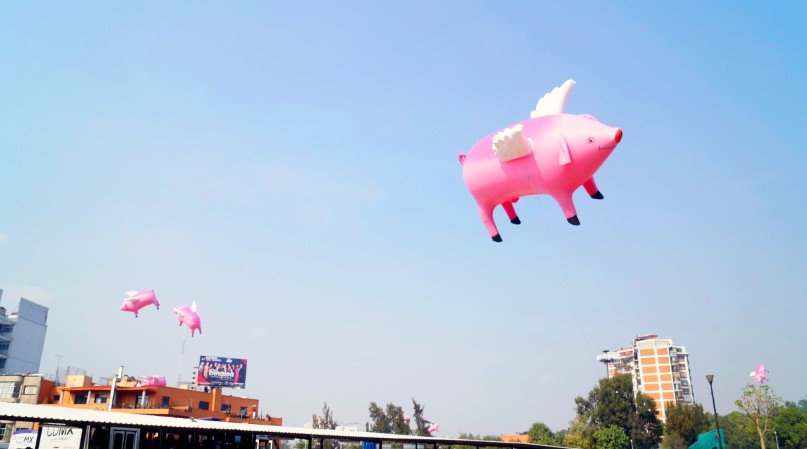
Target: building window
[(2, 363), (9, 390), (166, 401), (204, 405), (142, 402), (29, 389), (6, 328), (80, 399), (243, 412), (5, 432), (226, 408), (4, 345), (56, 398), (101, 398)]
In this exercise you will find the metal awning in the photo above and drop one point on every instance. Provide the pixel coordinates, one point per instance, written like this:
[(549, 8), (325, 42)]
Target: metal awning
[(10, 411)]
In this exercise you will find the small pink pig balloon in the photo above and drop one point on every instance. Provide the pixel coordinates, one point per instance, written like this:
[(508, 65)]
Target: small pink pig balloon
[(760, 373), (406, 419), (138, 300), (153, 380), (433, 428), (552, 153), (189, 317)]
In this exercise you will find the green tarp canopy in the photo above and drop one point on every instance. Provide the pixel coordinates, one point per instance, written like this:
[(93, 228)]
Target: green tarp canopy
[(708, 440)]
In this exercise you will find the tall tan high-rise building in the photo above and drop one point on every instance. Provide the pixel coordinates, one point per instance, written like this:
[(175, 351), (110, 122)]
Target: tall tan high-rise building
[(658, 369)]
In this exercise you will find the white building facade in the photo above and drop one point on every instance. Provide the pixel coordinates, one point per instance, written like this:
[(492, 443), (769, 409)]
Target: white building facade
[(22, 337)]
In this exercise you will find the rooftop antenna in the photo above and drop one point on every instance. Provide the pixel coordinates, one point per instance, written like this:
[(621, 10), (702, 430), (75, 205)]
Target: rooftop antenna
[(58, 359)]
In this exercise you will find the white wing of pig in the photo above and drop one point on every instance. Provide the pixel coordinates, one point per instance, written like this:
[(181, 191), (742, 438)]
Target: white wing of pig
[(510, 143), (553, 102)]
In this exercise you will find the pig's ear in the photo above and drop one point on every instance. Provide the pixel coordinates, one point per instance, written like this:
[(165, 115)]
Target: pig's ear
[(553, 102), (510, 143), (564, 156)]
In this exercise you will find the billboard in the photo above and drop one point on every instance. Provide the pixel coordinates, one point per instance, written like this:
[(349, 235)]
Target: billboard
[(60, 437), (221, 372)]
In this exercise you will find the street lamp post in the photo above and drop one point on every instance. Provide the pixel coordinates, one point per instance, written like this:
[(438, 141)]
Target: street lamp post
[(710, 378), (777, 439)]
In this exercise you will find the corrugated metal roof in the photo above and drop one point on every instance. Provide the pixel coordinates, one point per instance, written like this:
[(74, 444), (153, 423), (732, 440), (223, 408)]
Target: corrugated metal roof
[(55, 414)]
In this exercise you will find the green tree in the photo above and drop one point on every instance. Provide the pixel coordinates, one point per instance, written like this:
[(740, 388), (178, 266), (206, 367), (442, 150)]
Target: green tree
[(791, 427), (326, 421), (395, 415), (683, 425), (390, 419), (470, 436), (734, 431), (580, 434), (380, 421), (560, 435), (645, 427), (421, 425), (759, 405), (801, 405), (541, 434), (611, 437), (612, 402)]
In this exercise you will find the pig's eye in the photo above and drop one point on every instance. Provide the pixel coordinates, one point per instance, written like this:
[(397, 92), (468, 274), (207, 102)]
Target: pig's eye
[(589, 140)]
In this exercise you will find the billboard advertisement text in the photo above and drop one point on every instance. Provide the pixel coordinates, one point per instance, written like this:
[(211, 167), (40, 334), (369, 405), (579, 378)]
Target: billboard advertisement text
[(222, 372)]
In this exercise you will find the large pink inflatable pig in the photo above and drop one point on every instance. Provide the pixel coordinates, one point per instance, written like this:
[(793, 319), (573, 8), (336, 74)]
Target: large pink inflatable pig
[(137, 301), (189, 317), (551, 153)]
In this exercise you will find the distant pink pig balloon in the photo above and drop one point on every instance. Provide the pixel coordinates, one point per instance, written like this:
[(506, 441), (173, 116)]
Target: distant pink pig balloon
[(158, 381), (433, 428), (759, 373), (137, 301), (551, 153), (189, 317), (406, 419)]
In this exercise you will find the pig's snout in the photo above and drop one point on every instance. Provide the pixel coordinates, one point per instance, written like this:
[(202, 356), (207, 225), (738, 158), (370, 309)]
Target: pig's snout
[(611, 136)]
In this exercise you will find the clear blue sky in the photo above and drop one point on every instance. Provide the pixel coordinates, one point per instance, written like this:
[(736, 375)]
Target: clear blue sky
[(292, 168)]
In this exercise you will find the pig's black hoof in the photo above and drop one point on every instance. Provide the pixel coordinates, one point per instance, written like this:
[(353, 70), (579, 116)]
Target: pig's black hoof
[(597, 196), (574, 220), (515, 220), (497, 238)]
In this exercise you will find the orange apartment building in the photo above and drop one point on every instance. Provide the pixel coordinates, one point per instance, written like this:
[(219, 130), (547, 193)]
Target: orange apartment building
[(658, 369), (80, 392)]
